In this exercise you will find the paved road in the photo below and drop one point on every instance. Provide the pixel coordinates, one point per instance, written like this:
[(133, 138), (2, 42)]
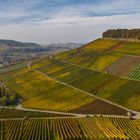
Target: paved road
[(38, 118), (64, 117)]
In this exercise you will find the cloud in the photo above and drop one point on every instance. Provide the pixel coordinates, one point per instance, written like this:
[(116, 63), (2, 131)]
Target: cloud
[(44, 21)]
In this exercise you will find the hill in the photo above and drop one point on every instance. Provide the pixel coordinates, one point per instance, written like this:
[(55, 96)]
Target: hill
[(97, 68), (13, 43), (91, 92)]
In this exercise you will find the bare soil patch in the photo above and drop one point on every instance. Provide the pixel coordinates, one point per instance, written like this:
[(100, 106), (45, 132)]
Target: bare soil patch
[(100, 107), (123, 65)]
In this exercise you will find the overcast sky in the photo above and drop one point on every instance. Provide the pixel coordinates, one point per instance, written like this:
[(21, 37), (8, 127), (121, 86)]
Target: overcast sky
[(46, 21)]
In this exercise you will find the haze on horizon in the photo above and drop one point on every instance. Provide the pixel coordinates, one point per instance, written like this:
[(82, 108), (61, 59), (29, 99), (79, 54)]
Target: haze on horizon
[(49, 21)]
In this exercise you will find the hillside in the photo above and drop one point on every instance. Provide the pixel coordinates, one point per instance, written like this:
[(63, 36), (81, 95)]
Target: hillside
[(100, 68), (83, 93), (13, 43)]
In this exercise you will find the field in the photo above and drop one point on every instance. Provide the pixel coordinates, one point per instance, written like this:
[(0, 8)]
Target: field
[(123, 65), (40, 92), (14, 113), (92, 81), (103, 54), (100, 107), (100, 45), (106, 86), (135, 72), (95, 61), (69, 128), (128, 47), (14, 67)]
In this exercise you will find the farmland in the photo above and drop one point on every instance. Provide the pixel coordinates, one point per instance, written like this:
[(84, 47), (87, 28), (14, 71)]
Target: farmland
[(135, 72), (128, 47), (123, 65), (14, 113), (100, 107), (14, 67), (92, 85), (38, 91), (106, 86), (104, 54), (70, 128)]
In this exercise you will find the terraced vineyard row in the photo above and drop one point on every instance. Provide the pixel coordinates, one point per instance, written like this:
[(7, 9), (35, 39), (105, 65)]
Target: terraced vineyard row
[(13, 113), (96, 128), (135, 72)]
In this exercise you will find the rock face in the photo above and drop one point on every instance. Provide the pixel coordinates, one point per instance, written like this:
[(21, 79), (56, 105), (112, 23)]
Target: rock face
[(122, 34)]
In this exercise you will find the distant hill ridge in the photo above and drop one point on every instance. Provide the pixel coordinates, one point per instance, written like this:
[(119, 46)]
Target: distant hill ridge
[(17, 43), (132, 34)]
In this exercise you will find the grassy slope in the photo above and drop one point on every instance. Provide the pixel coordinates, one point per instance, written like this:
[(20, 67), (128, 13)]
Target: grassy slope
[(93, 55), (112, 88), (41, 92), (100, 44), (98, 62), (109, 87), (121, 91), (132, 48)]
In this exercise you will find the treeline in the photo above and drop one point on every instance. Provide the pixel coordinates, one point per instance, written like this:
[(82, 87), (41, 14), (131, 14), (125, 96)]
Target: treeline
[(7, 97), (122, 34)]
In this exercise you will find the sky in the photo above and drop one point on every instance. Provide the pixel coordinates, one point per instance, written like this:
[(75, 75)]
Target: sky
[(52, 21)]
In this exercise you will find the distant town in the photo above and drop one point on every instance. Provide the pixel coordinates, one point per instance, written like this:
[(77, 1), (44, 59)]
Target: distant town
[(13, 52)]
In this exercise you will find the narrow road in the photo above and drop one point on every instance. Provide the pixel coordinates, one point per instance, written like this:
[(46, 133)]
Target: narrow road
[(19, 103), (39, 118), (43, 111), (63, 117), (29, 64)]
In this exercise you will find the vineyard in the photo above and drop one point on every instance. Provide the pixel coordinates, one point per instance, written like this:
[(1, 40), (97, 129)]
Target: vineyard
[(103, 85), (135, 72), (40, 92), (14, 67), (75, 95), (128, 47), (100, 107), (123, 65), (97, 128)]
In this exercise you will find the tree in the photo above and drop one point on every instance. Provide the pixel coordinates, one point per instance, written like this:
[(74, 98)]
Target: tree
[(122, 33), (3, 101)]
